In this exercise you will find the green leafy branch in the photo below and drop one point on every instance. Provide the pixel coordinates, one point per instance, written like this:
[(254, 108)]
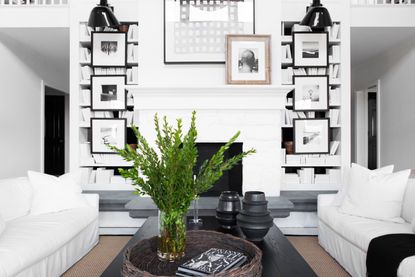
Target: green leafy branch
[(166, 175)]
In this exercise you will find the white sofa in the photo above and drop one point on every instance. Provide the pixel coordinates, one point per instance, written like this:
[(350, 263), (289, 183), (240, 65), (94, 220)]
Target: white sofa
[(347, 237), (46, 244)]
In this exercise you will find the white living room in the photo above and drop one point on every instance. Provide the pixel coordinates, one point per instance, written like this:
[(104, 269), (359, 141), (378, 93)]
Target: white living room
[(207, 138)]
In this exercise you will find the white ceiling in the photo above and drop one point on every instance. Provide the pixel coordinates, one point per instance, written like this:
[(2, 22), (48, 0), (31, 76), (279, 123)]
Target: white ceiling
[(51, 43), (367, 43)]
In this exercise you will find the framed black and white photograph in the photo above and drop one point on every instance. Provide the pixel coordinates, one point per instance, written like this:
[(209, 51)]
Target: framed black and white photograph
[(310, 49), (109, 49), (311, 136), (108, 93), (248, 59), (195, 31), (108, 131), (311, 93)]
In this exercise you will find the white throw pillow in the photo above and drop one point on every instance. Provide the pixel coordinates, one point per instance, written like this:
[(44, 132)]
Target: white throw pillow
[(53, 194), (2, 225), (341, 194), (377, 197), (15, 197)]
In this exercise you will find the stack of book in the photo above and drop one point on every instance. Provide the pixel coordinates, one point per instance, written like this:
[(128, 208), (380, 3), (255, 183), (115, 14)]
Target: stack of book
[(210, 262)]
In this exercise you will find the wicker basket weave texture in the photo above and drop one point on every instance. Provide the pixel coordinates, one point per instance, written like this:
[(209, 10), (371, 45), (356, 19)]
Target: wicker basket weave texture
[(141, 260)]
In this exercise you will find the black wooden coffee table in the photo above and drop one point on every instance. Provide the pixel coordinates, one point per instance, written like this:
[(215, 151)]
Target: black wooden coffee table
[(279, 257)]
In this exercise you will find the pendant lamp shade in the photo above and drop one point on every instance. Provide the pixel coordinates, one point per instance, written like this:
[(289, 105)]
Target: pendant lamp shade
[(102, 16), (317, 17)]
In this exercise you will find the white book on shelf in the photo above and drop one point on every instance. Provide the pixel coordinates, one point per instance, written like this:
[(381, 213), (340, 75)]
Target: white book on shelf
[(287, 76), (336, 68), (85, 175), (283, 52), (92, 177), (335, 30), (132, 33), (85, 150), (86, 114), (334, 146), (334, 96), (335, 49), (86, 96), (322, 71), (283, 154), (86, 72)]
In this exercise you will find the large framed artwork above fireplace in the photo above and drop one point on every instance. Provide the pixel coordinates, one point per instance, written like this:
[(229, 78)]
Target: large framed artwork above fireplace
[(221, 112)]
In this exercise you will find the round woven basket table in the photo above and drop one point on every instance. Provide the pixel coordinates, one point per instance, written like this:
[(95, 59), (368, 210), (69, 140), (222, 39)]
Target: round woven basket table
[(141, 259)]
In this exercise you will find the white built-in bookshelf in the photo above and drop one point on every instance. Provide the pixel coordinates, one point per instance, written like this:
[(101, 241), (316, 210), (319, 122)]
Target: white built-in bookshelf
[(100, 171), (314, 171)]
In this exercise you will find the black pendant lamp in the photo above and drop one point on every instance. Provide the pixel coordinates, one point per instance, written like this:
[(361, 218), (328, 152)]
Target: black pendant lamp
[(317, 17), (102, 16)]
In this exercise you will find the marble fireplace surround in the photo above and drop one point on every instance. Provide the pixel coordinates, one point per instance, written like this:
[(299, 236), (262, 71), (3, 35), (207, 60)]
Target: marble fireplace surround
[(221, 112)]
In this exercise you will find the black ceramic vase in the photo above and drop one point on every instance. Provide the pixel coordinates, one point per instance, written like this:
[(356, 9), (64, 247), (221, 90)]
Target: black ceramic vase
[(228, 208), (254, 219)]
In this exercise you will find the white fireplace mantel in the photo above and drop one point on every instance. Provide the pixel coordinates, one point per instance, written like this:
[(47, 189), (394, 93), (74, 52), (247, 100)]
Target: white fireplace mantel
[(226, 97), (255, 111)]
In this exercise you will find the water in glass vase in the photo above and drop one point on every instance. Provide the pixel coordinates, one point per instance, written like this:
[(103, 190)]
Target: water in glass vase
[(172, 236)]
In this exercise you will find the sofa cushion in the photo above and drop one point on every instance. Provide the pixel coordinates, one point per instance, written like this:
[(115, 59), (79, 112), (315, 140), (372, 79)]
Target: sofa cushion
[(29, 239), (52, 194), (408, 206), (15, 197), (341, 195), (359, 230), (377, 197)]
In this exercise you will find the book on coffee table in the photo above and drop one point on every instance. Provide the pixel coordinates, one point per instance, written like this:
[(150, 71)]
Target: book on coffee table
[(214, 260)]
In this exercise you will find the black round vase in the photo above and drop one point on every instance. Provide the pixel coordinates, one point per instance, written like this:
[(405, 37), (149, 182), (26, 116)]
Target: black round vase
[(254, 219), (228, 208)]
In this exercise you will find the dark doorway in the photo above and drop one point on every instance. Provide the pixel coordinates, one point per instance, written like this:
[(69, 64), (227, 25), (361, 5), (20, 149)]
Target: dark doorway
[(55, 134), (231, 179), (372, 131)]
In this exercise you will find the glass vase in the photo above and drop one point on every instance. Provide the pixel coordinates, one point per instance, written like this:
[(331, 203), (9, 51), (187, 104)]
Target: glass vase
[(172, 236)]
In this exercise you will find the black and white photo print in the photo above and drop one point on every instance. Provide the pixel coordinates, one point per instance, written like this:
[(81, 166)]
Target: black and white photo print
[(311, 136), (310, 49), (108, 93), (109, 49), (248, 61), (107, 131), (311, 93)]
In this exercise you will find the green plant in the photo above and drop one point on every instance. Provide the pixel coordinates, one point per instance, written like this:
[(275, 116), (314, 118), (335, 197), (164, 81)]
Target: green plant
[(166, 174)]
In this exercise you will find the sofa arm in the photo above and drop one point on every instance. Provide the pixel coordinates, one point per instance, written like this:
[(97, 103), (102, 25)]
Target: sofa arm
[(325, 200), (92, 199)]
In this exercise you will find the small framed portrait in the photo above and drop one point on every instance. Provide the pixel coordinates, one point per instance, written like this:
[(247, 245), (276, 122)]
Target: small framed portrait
[(248, 59), (311, 136), (108, 93), (109, 49), (311, 93), (108, 131), (311, 49)]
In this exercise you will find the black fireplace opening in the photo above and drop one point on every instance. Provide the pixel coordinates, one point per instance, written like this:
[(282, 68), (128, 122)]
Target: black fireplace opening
[(231, 179)]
